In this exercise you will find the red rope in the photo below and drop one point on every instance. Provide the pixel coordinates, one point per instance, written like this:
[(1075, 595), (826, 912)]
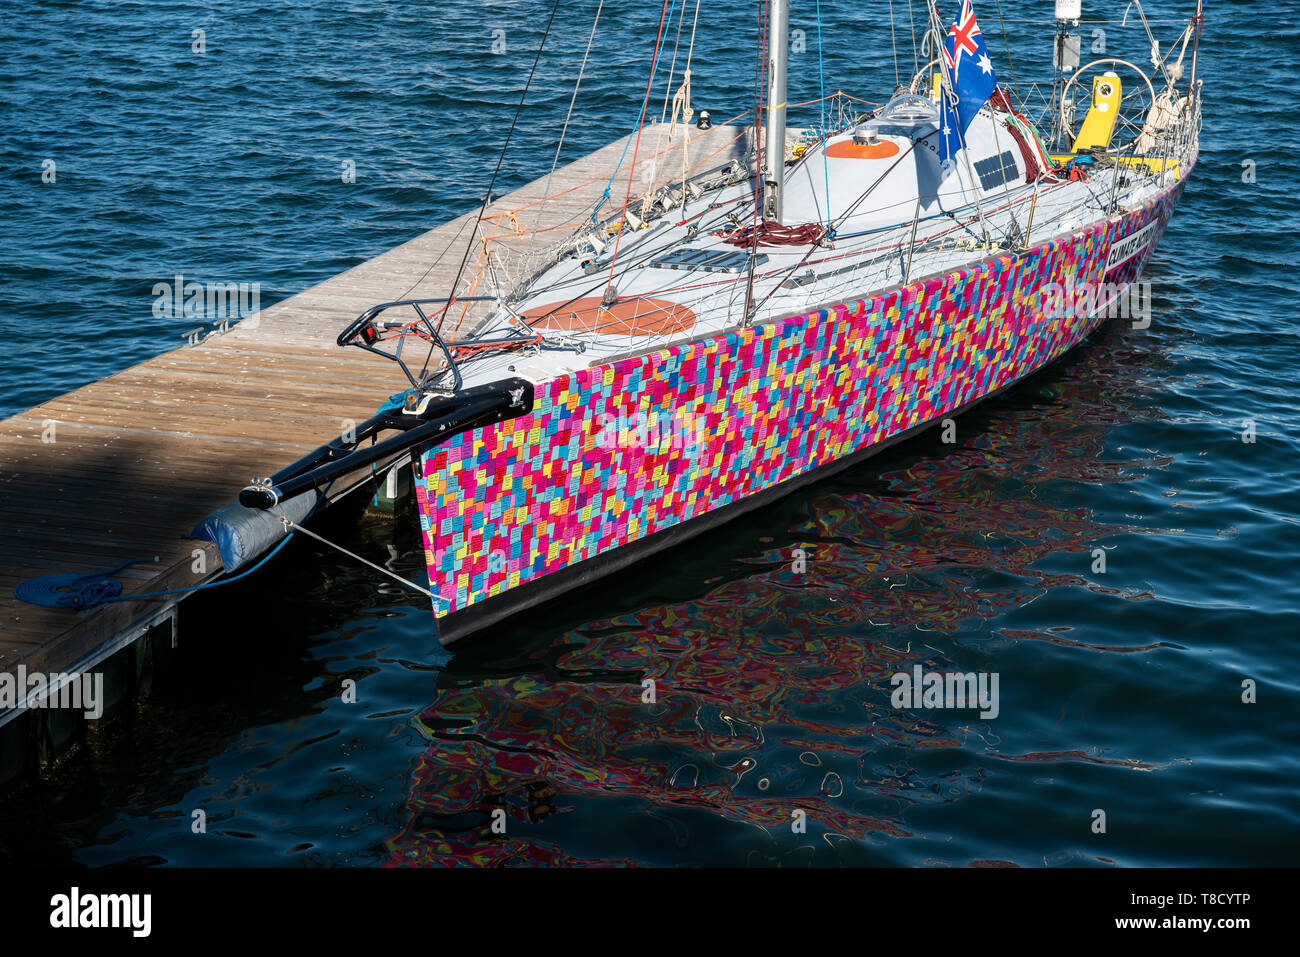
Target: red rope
[(771, 233)]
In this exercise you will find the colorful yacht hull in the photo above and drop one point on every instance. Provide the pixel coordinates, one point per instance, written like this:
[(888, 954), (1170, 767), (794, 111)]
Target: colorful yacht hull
[(516, 512)]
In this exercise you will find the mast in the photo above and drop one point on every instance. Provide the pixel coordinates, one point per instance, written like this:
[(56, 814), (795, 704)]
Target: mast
[(778, 40), (1194, 99)]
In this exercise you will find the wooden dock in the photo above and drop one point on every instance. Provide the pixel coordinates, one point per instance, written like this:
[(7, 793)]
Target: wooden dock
[(124, 468)]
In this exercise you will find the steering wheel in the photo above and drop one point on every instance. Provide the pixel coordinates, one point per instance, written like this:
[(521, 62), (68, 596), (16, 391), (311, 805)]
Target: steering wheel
[(1135, 103), (923, 74)]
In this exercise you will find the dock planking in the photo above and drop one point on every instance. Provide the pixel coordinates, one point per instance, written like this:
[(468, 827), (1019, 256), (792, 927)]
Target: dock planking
[(140, 457)]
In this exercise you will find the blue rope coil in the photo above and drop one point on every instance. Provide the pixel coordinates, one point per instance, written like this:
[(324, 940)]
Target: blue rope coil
[(74, 591), (97, 588)]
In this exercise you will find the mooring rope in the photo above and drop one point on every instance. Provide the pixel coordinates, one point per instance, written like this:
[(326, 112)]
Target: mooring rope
[(74, 590), (290, 523), (98, 588)]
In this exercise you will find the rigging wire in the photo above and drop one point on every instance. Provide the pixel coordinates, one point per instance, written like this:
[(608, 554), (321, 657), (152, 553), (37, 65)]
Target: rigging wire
[(487, 198), (856, 203), (433, 264), (891, 249), (1006, 189), (569, 116), (712, 204), (686, 104), (654, 62), (653, 252), (937, 32), (953, 214), (671, 99), (640, 258), (665, 15), (1007, 45), (829, 226), (759, 67), (672, 67), (826, 134), (916, 62), (892, 41)]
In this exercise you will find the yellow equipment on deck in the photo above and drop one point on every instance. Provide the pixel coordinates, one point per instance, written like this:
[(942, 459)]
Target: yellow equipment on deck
[(1099, 124)]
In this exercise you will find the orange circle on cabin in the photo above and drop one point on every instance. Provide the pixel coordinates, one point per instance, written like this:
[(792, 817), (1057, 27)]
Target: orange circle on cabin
[(637, 316), (847, 149)]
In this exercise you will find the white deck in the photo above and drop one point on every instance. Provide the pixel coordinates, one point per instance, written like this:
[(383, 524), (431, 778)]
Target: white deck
[(874, 250)]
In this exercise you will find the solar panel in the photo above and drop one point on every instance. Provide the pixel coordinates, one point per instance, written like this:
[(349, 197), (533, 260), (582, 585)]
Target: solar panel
[(996, 170)]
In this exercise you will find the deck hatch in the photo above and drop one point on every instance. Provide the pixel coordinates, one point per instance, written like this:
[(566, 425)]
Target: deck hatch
[(708, 260)]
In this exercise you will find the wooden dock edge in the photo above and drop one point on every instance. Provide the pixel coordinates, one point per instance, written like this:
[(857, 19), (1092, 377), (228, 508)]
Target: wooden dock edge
[(128, 644)]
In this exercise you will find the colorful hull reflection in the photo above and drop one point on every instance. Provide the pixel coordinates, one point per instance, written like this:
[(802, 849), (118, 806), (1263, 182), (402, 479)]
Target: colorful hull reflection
[(773, 686)]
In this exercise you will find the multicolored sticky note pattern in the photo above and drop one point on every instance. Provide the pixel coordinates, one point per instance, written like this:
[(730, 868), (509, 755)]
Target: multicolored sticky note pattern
[(613, 453)]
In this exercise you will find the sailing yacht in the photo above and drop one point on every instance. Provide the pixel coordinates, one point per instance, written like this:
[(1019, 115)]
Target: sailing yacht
[(727, 338)]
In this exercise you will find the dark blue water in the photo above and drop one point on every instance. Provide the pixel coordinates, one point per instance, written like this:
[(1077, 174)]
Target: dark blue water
[(1121, 690)]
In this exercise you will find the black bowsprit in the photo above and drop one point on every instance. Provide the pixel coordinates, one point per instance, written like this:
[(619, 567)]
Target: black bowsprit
[(432, 418)]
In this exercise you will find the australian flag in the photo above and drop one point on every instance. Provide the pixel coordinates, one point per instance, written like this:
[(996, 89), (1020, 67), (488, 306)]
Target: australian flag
[(973, 81)]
